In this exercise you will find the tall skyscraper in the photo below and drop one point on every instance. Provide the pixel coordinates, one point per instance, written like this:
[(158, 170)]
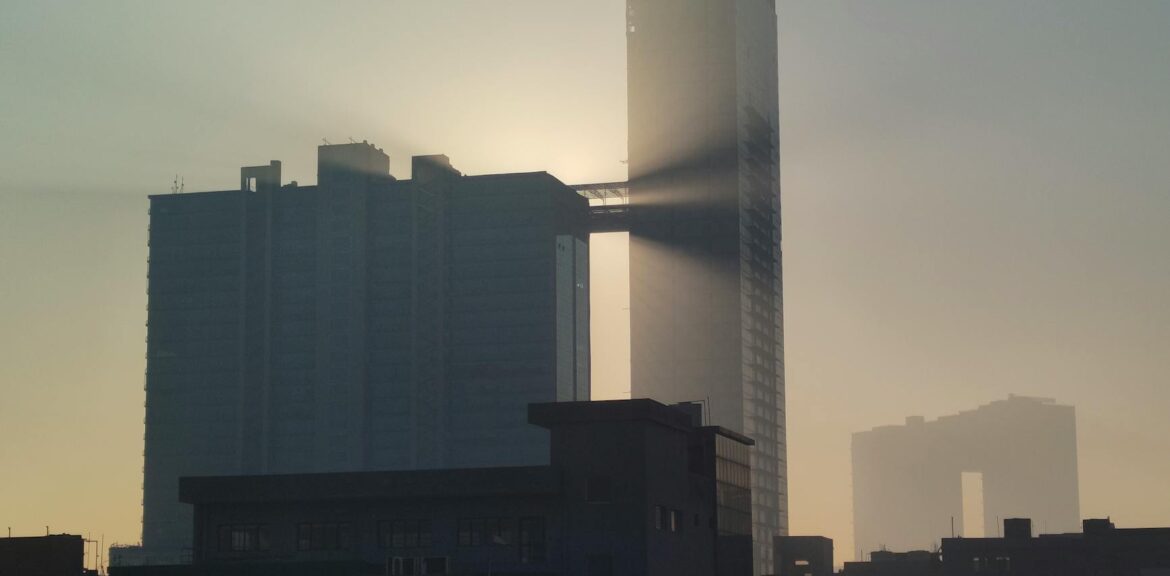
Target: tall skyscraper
[(364, 323), (908, 488), (706, 302)]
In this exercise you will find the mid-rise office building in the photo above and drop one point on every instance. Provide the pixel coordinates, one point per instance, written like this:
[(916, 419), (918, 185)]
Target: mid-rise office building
[(365, 323), (633, 487), (706, 297)]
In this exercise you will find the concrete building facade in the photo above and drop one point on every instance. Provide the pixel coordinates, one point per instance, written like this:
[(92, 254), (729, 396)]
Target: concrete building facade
[(907, 480), (706, 297), (365, 323)]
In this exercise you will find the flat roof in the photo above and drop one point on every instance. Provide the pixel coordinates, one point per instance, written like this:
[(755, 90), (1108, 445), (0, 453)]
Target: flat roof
[(553, 414)]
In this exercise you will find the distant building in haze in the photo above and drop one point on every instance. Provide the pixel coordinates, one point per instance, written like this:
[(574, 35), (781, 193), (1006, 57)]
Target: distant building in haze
[(706, 298), (365, 323), (907, 480), (633, 487)]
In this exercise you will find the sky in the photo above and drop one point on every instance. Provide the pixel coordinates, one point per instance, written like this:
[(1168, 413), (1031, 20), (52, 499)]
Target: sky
[(976, 202)]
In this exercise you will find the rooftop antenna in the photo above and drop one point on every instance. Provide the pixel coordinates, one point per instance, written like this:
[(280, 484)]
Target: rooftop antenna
[(177, 185), (325, 141), (352, 141)]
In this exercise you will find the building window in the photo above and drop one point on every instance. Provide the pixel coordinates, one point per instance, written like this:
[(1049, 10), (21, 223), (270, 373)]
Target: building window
[(532, 540), (485, 532), (243, 538), (323, 536), (404, 533), (669, 520), (403, 566), (599, 489)]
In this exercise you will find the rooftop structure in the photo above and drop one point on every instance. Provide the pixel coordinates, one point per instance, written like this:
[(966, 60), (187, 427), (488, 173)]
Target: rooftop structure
[(49, 555)]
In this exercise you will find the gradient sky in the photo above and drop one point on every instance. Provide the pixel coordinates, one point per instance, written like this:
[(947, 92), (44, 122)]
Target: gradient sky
[(976, 203)]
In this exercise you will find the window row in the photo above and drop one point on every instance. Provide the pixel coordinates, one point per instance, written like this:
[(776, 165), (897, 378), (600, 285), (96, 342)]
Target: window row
[(529, 534), (667, 519)]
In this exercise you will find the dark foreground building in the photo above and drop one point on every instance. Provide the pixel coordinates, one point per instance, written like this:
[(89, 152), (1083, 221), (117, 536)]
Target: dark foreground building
[(365, 323), (803, 556), (634, 488), (885, 563), (1100, 549), (907, 480), (706, 294), (53, 555)]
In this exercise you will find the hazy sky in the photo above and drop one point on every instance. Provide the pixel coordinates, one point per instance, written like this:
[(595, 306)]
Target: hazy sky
[(976, 203)]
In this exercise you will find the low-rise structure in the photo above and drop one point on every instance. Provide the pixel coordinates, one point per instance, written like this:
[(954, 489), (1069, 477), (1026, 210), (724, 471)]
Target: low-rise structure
[(1101, 548), (49, 555), (803, 556), (634, 487), (886, 563)]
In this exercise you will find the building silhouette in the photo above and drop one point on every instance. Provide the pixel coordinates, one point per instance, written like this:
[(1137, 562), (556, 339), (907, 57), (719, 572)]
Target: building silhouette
[(365, 323), (803, 556), (632, 487), (886, 563), (1100, 548), (706, 305), (49, 555), (907, 487)]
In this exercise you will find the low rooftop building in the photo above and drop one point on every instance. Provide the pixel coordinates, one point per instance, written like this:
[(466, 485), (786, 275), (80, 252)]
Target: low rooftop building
[(49, 555), (1100, 548), (634, 487)]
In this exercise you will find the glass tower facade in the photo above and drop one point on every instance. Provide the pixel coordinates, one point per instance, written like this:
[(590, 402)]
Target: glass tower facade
[(365, 323), (705, 250)]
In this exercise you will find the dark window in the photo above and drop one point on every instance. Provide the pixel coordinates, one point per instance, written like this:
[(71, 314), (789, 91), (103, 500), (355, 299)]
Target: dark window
[(497, 532), (323, 536), (404, 533), (659, 518), (243, 538), (600, 565), (532, 540), (675, 523), (485, 532), (403, 566), (304, 539), (599, 489)]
